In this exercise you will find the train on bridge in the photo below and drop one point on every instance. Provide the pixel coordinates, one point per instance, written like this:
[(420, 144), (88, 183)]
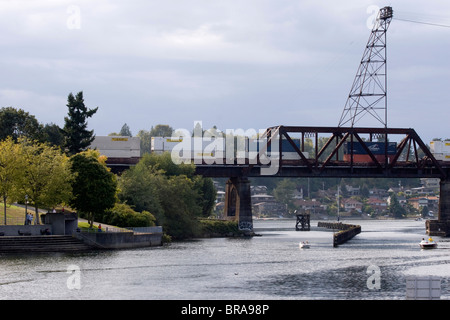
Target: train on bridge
[(122, 151)]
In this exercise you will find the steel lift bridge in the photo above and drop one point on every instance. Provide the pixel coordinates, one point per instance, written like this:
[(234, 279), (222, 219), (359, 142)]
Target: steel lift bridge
[(343, 151)]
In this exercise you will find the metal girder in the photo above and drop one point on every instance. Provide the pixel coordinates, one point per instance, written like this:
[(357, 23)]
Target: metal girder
[(411, 158)]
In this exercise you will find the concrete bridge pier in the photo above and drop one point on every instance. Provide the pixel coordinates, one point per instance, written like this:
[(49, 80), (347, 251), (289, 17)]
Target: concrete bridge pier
[(441, 226), (238, 203)]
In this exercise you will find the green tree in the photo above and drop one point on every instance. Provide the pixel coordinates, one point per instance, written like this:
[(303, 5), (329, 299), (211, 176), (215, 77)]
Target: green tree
[(395, 208), (11, 169), (18, 123), (146, 141), (172, 193), (77, 137), (125, 131), (53, 134), (47, 177), (284, 192), (94, 187), (161, 130)]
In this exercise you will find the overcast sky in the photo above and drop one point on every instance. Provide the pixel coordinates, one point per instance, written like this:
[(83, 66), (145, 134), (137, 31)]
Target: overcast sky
[(230, 63)]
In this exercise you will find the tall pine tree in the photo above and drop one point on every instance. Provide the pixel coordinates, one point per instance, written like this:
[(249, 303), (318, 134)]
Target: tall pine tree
[(77, 137)]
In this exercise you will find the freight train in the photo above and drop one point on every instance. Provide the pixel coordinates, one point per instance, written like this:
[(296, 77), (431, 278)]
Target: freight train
[(116, 148), (209, 149)]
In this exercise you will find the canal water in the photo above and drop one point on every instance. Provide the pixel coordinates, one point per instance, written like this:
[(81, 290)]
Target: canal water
[(269, 266)]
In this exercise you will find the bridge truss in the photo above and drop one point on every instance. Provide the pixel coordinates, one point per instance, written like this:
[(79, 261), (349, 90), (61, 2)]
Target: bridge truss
[(331, 154)]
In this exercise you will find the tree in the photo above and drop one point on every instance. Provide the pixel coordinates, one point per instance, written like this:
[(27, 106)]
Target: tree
[(146, 141), (11, 168), (47, 177), (77, 137), (125, 131), (284, 192), (53, 134), (172, 193), (94, 187), (18, 123), (395, 208), (161, 130)]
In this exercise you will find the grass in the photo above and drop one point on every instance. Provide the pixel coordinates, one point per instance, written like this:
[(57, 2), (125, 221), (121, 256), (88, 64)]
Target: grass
[(14, 214)]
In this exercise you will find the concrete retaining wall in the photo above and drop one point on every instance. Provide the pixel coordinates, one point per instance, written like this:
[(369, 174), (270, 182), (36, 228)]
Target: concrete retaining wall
[(121, 240), (31, 230)]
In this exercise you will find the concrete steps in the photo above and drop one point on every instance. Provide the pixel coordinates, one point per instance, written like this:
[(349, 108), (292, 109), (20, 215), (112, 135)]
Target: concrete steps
[(47, 243)]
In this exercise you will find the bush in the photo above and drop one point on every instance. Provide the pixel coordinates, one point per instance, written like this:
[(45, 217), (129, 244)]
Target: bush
[(122, 215), (219, 227)]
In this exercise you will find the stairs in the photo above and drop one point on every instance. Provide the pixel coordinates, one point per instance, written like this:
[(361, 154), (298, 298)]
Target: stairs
[(47, 243)]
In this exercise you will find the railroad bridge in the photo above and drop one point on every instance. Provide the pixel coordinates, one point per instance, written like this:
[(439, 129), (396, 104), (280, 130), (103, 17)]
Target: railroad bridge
[(346, 153)]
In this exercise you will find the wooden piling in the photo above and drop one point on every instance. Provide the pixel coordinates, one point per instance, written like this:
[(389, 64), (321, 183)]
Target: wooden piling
[(303, 222)]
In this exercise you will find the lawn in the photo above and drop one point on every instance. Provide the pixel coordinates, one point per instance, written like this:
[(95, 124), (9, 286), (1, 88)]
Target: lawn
[(13, 213)]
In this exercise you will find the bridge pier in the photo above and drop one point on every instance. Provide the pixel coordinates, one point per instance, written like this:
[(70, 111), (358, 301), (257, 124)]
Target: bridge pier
[(441, 226), (238, 203)]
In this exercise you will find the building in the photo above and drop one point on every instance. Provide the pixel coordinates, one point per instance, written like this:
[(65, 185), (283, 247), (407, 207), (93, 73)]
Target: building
[(378, 205), (351, 205)]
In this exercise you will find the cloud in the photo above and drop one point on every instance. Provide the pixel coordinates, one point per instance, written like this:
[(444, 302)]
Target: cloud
[(252, 63)]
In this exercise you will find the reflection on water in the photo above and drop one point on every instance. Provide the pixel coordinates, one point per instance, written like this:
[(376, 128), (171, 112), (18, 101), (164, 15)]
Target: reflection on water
[(271, 266)]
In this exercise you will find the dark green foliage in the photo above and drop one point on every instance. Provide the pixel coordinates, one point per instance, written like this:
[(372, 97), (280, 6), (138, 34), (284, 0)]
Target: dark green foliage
[(77, 137), (171, 193), (18, 123), (122, 215), (94, 187)]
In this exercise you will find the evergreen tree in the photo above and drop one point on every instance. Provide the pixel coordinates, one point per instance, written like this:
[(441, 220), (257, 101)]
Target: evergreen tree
[(77, 137), (125, 131)]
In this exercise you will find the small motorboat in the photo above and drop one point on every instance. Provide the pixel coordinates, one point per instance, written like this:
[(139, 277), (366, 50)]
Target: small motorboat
[(304, 245), (428, 244)]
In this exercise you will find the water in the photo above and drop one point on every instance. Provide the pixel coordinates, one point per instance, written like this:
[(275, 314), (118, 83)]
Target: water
[(270, 266)]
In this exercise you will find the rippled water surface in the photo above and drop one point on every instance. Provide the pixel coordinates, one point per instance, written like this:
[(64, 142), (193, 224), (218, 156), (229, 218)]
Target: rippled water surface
[(269, 266)]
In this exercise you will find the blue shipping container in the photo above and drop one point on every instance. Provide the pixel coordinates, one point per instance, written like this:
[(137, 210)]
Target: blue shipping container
[(377, 148)]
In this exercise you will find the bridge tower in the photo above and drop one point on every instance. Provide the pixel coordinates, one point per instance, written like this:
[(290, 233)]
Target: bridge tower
[(238, 203), (441, 226), (368, 94)]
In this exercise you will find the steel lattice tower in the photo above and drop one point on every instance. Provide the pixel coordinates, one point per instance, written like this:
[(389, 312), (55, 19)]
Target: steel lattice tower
[(369, 89)]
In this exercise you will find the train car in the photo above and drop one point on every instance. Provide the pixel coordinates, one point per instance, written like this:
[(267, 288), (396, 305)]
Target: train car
[(378, 149), (440, 150), (117, 146), (212, 149), (288, 151)]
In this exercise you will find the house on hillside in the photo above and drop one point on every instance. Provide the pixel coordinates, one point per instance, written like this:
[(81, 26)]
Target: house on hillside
[(351, 205), (378, 205)]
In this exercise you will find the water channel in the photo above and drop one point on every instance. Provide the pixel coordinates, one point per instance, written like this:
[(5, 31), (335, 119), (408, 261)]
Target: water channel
[(269, 266)]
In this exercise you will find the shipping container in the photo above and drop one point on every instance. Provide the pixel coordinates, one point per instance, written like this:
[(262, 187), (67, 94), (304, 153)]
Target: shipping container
[(440, 147), (117, 146), (288, 151), (377, 148)]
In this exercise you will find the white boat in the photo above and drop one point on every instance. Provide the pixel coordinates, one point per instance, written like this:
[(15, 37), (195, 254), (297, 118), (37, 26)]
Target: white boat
[(303, 245), (428, 244)]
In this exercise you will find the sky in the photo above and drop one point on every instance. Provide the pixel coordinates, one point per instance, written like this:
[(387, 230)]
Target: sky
[(248, 64)]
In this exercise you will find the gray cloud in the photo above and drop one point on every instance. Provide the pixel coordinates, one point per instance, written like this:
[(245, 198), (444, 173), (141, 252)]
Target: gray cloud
[(234, 64)]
